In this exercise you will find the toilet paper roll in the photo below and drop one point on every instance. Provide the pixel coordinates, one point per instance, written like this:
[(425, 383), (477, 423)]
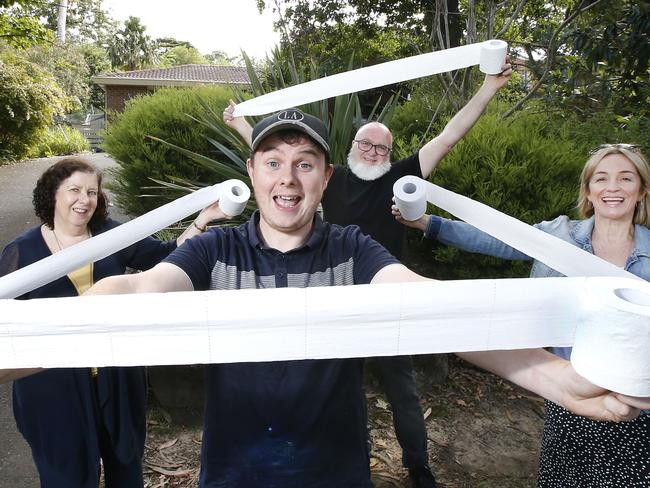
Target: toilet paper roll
[(612, 342), (233, 197), (493, 54), (489, 55), (410, 197), (234, 193)]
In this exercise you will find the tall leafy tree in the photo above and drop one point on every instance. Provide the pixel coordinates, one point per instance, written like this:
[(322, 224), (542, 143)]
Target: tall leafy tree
[(97, 60), (68, 66), (180, 55), (571, 51), (30, 98), (221, 57), (18, 27), (131, 48), (86, 20)]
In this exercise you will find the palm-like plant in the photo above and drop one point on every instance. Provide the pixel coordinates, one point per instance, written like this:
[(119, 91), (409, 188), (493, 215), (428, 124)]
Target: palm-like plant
[(342, 116)]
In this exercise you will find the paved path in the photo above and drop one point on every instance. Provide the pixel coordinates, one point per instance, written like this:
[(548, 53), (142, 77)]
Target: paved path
[(16, 215)]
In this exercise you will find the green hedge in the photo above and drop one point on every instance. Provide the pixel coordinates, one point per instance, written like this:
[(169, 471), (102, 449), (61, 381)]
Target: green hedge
[(165, 114), (525, 167)]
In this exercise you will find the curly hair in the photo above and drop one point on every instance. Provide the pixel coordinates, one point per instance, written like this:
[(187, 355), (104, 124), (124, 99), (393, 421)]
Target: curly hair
[(44, 196)]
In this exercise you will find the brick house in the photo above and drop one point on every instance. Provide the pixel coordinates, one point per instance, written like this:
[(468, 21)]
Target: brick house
[(121, 86)]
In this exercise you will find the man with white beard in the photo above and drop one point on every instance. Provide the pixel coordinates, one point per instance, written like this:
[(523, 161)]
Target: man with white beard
[(361, 193)]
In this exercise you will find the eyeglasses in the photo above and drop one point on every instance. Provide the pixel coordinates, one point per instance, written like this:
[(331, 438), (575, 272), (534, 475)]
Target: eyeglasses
[(629, 147), (366, 146)]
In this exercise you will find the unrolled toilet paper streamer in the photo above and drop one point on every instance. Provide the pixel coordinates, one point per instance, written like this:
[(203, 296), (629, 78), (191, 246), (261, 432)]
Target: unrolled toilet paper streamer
[(413, 193), (615, 338), (232, 195), (489, 55), (342, 322)]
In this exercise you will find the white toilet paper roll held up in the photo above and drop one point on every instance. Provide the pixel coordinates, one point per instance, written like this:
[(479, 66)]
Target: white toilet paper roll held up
[(493, 54), (232, 195), (489, 55), (410, 197), (612, 342)]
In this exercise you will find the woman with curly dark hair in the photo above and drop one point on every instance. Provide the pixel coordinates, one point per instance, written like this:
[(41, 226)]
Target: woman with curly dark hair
[(79, 419)]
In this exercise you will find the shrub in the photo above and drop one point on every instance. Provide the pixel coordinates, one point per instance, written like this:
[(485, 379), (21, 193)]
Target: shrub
[(58, 141), (525, 167), (29, 100), (165, 114)]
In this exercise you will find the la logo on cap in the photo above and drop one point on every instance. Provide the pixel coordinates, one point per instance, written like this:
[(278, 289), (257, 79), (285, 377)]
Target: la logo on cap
[(291, 115)]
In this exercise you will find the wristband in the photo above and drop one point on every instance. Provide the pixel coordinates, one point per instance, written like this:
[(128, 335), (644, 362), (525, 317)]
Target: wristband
[(202, 229)]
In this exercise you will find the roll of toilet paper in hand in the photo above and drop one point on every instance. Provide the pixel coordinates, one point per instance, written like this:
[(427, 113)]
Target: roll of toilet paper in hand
[(612, 342), (232, 195), (489, 55)]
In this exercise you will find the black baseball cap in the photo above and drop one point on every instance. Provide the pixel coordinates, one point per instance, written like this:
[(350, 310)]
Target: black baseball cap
[(292, 119)]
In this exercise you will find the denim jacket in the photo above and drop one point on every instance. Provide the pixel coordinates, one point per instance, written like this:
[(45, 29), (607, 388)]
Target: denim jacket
[(578, 232)]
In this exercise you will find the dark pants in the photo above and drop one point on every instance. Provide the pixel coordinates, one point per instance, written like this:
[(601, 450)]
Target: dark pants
[(65, 416), (396, 376), (116, 473)]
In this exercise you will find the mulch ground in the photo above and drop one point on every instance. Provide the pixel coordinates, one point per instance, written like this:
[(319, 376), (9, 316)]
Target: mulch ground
[(483, 432)]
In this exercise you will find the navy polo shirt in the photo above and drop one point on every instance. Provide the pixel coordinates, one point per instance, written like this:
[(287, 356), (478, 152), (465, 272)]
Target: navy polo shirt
[(286, 423)]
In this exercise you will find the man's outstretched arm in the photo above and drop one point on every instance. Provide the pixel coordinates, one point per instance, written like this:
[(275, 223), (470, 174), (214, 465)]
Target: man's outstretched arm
[(438, 147), (541, 372), (555, 379), (163, 277)]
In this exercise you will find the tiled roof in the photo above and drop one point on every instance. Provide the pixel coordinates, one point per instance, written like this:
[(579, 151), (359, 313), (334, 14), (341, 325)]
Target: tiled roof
[(185, 74)]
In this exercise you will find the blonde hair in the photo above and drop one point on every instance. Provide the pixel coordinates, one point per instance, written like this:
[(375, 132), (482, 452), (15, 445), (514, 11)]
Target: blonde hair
[(636, 157)]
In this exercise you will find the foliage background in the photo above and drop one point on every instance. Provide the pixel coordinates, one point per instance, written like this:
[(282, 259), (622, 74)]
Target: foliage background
[(165, 114)]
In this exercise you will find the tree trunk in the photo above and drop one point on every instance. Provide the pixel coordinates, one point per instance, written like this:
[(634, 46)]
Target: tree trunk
[(61, 21)]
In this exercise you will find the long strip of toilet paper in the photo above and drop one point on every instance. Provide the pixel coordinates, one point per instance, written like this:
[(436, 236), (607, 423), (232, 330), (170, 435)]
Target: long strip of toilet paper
[(232, 195), (489, 55), (413, 193), (341, 322)]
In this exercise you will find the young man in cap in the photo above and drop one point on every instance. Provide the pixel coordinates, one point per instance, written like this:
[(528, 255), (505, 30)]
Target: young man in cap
[(361, 194), (300, 424)]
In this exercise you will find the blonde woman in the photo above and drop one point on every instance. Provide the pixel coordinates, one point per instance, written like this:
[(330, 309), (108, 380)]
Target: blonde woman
[(614, 205)]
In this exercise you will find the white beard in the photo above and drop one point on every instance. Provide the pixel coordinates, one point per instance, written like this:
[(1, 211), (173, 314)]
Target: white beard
[(365, 171)]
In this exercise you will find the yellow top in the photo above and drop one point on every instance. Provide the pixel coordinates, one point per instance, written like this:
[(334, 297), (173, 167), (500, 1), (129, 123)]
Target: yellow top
[(82, 278)]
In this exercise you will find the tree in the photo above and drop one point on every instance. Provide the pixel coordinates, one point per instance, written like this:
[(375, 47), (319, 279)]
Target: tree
[(97, 60), (612, 44), (20, 29), (179, 55), (221, 58), (29, 100), (572, 51), (86, 20), (68, 66), (131, 48)]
